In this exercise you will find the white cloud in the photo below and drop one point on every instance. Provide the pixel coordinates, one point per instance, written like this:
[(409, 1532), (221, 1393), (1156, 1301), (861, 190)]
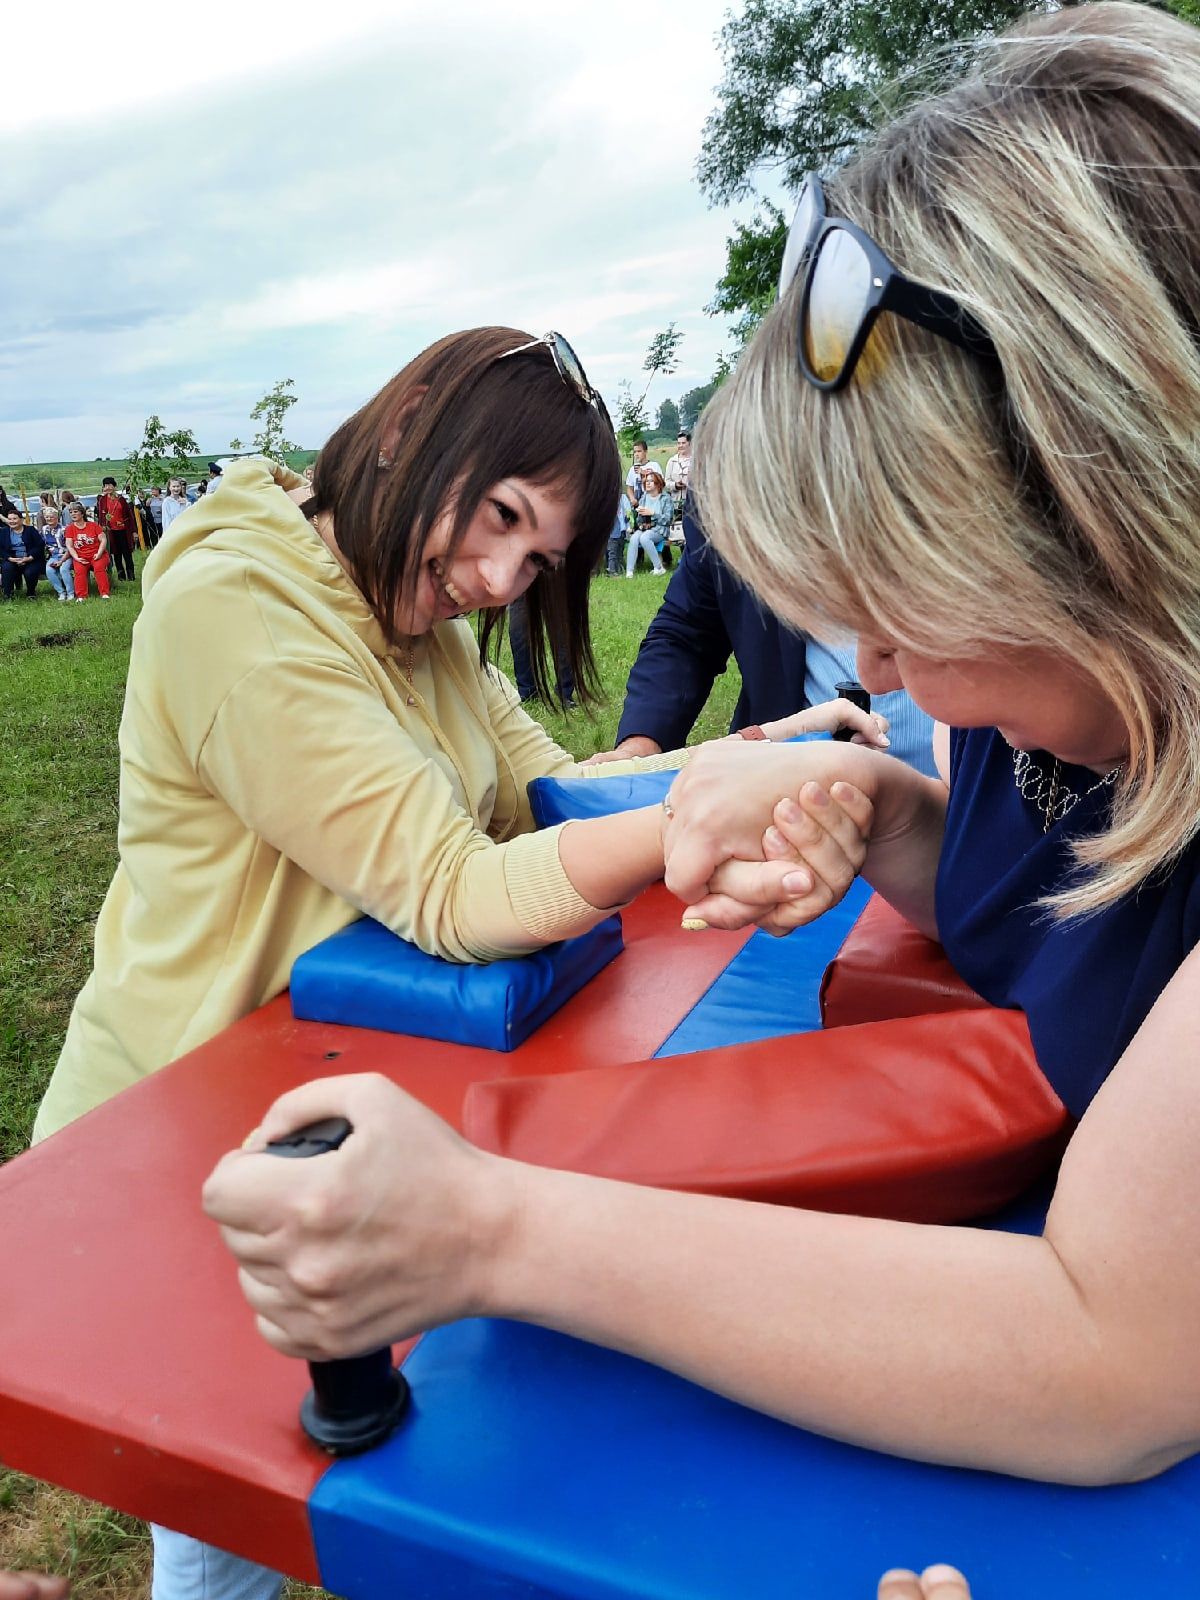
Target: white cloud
[(318, 193)]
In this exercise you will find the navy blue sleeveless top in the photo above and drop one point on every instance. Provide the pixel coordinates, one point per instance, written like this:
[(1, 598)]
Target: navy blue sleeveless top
[(1086, 986)]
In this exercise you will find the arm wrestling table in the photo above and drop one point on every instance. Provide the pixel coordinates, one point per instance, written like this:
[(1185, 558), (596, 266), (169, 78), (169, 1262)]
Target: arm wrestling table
[(531, 1464)]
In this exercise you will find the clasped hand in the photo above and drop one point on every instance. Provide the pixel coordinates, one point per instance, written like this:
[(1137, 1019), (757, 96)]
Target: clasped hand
[(766, 833)]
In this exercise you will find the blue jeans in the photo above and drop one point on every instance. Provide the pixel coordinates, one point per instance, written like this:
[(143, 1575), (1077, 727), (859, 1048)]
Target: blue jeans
[(518, 635), (642, 539), (186, 1569), (61, 579)]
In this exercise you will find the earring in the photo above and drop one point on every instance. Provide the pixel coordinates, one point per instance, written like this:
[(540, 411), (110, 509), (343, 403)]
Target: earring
[(383, 463)]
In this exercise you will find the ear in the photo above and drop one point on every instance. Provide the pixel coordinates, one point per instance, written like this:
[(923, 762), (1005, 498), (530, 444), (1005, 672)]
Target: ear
[(389, 439)]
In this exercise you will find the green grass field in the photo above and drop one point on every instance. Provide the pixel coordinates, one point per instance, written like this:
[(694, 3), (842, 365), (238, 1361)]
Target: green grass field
[(65, 670), (85, 477)]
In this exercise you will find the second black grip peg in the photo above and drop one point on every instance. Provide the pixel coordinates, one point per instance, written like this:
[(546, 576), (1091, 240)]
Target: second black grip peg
[(854, 692), (355, 1403)]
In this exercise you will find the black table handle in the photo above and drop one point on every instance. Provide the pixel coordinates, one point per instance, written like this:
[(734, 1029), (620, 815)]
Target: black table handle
[(854, 692), (354, 1403)]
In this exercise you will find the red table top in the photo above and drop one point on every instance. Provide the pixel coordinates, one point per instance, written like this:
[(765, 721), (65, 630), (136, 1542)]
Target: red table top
[(130, 1369)]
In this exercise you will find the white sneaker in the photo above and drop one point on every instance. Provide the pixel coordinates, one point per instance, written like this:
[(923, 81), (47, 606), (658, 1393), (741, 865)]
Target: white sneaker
[(106, 597)]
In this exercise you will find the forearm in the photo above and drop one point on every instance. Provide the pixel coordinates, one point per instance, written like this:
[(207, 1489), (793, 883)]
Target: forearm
[(611, 859), (906, 839), (944, 1344)]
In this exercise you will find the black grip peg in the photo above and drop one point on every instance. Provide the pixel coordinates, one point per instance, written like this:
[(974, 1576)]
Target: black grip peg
[(853, 691), (354, 1403)]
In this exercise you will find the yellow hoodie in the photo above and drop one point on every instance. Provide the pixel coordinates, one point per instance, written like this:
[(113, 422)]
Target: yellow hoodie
[(280, 775)]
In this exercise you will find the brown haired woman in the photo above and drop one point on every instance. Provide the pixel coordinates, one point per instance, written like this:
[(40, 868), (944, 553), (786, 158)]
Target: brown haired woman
[(310, 731), (988, 470)]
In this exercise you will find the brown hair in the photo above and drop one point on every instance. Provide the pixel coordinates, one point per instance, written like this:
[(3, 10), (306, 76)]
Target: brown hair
[(1055, 191), (453, 423)]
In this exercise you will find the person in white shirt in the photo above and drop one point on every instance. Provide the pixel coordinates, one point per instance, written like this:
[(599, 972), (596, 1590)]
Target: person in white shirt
[(174, 501)]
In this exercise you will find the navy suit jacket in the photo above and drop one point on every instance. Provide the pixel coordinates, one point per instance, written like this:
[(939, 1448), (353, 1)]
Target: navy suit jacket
[(706, 616), (28, 542)]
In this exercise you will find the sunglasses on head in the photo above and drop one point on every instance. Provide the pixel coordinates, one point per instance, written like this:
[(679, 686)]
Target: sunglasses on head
[(569, 366), (848, 281)]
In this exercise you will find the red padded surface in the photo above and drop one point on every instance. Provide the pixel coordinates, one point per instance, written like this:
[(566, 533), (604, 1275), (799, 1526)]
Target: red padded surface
[(888, 968), (923, 1119), (130, 1370)]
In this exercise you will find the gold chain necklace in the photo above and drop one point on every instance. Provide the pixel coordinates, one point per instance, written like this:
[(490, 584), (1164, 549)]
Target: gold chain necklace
[(1047, 791), (409, 667)]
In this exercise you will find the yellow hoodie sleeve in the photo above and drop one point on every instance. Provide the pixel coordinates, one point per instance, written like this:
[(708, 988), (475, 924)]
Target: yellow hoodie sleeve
[(310, 760)]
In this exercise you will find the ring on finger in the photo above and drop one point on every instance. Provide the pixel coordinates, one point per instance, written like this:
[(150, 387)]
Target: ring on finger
[(668, 808)]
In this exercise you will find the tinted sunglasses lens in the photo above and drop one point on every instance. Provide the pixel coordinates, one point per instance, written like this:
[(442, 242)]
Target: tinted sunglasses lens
[(799, 237), (839, 294), (570, 366)]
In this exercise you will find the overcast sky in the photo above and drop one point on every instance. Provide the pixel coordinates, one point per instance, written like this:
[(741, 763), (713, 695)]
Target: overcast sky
[(199, 207)]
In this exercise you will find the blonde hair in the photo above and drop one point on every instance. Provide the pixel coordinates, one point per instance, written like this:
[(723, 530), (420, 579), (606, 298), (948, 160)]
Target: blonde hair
[(1055, 191)]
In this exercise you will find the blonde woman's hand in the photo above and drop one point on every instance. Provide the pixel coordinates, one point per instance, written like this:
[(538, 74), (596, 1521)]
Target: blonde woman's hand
[(870, 727), (812, 852), (389, 1235), (935, 1583), (723, 801)]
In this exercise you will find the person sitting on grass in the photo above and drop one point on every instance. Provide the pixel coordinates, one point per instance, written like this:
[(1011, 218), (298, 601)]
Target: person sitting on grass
[(88, 548), (650, 529), (22, 556), (58, 558), (979, 395)]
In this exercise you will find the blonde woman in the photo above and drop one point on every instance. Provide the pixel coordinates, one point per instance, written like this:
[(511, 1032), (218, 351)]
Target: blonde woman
[(980, 395)]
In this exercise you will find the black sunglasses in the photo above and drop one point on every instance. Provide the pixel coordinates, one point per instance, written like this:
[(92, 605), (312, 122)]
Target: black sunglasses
[(848, 281), (569, 366)]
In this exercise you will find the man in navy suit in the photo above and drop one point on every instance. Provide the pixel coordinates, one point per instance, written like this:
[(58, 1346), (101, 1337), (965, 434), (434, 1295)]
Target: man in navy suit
[(706, 616)]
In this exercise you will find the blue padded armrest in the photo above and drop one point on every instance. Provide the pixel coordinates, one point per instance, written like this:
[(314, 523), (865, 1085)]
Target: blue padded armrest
[(367, 977), (572, 799)]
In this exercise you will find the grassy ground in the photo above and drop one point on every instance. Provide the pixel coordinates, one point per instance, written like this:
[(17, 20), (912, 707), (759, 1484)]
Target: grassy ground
[(85, 477), (64, 674)]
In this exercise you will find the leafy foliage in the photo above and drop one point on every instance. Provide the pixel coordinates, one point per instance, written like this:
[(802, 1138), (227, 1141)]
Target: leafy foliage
[(695, 400), (746, 289), (271, 413), (668, 417), (804, 83), (162, 454)]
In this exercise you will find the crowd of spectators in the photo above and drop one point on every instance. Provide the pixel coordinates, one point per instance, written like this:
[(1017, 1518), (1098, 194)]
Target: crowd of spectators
[(649, 515), (71, 540)]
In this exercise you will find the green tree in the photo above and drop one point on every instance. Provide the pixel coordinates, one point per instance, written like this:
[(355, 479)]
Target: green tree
[(746, 289), (632, 421), (662, 355), (668, 417), (803, 84), (271, 413), (236, 444), (162, 454), (693, 403)]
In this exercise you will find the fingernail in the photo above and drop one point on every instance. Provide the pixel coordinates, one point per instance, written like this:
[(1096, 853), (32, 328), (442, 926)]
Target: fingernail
[(774, 840), (815, 795), (248, 1141), (941, 1573), (796, 883), (693, 924), (883, 739), (842, 791), (789, 811)]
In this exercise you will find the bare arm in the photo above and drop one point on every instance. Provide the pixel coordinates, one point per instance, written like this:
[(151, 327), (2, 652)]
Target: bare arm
[(1069, 1357)]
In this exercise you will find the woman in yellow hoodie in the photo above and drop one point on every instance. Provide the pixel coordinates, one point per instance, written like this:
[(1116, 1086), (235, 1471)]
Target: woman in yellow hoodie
[(310, 732)]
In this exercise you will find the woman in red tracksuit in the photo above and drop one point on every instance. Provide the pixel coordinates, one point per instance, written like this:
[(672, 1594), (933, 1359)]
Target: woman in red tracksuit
[(89, 552)]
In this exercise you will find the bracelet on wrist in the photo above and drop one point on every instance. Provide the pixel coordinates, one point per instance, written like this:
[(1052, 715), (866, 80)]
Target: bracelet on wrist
[(753, 732)]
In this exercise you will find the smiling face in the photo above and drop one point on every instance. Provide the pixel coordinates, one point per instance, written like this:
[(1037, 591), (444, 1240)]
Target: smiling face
[(519, 529), (1036, 699), (14, 521)]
